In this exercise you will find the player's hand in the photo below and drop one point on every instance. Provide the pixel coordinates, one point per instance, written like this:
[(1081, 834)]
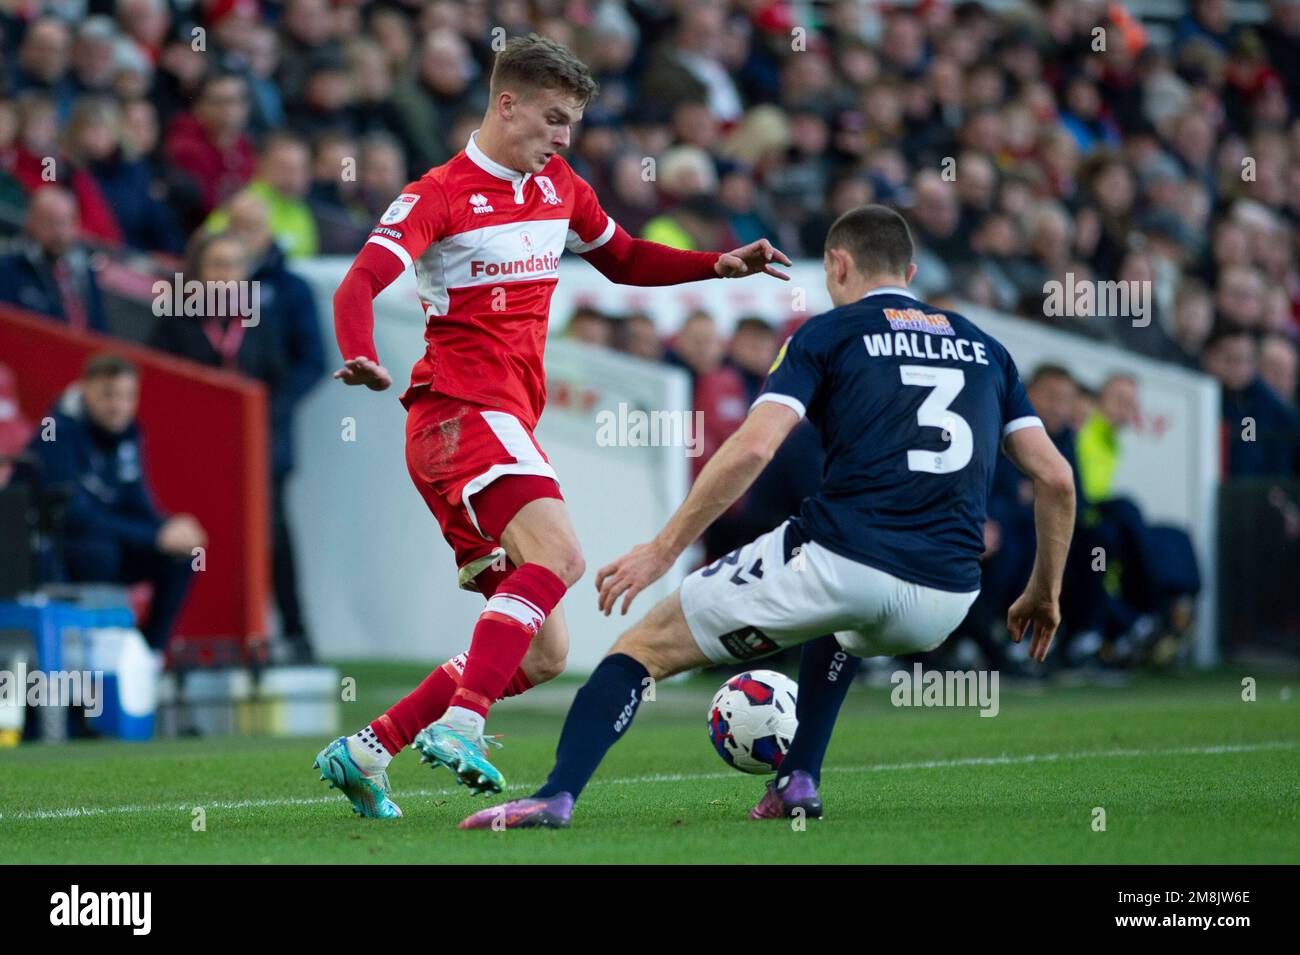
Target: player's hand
[(630, 574), (363, 371), (753, 259), (1041, 610)]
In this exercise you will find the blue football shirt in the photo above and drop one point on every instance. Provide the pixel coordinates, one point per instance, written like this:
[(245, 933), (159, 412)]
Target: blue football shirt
[(912, 403)]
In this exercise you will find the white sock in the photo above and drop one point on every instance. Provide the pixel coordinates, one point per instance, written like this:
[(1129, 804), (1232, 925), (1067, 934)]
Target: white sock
[(367, 752), (466, 722)]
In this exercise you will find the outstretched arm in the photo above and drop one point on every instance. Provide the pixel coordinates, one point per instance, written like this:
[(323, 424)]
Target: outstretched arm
[(373, 270), (1031, 450), (630, 261), (723, 480)]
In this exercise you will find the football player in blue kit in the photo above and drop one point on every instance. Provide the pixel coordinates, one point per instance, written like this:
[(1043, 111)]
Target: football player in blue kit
[(912, 404)]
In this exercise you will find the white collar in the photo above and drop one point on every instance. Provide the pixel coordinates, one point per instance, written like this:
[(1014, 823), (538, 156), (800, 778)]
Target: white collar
[(488, 164), (889, 290)]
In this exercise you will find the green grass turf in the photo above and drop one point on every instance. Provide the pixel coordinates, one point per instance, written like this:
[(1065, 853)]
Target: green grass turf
[(901, 785)]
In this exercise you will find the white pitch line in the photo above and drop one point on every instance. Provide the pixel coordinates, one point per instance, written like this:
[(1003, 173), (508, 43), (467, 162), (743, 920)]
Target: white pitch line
[(1003, 760)]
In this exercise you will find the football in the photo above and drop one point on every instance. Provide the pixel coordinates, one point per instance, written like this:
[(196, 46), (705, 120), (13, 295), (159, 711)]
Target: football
[(752, 720)]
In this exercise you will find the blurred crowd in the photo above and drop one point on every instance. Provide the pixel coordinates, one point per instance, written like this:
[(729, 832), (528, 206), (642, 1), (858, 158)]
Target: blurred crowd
[(1026, 144)]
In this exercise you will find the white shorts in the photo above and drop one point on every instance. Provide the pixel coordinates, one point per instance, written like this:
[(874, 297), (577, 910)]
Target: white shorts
[(780, 590)]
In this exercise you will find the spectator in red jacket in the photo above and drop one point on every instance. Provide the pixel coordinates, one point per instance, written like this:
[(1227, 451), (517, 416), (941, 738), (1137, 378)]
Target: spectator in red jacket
[(37, 162), (211, 143), (751, 352), (719, 391)]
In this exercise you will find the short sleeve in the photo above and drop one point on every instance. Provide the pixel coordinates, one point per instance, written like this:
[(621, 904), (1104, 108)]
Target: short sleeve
[(413, 221), (1017, 411), (794, 377), (590, 226)]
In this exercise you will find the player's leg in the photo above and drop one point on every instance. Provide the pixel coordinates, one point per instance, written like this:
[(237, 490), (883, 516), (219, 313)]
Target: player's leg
[(745, 605), (486, 471), (897, 617), (543, 662), (539, 539), (362, 770), (826, 671), (546, 657), (448, 444), (373, 746), (825, 674), (657, 647)]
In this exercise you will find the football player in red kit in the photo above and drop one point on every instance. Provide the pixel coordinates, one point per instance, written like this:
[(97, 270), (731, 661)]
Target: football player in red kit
[(485, 232)]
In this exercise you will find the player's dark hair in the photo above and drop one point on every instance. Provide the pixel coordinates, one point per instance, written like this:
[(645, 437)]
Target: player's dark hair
[(1048, 370), (108, 365), (875, 237), (539, 63)]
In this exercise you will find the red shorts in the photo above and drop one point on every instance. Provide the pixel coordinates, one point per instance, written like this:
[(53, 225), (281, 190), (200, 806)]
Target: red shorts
[(475, 467)]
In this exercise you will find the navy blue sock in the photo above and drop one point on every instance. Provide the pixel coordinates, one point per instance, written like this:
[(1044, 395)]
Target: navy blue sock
[(825, 673), (601, 712)]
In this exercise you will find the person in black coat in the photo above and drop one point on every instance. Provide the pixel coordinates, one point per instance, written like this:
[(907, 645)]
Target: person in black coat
[(288, 302), (48, 271), (1261, 433), (95, 143), (113, 532), (283, 350)]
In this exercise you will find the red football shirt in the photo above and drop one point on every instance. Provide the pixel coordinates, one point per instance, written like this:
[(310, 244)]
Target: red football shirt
[(486, 243)]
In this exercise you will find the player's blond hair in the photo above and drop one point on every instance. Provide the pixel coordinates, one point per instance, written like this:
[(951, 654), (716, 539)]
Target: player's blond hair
[(535, 62)]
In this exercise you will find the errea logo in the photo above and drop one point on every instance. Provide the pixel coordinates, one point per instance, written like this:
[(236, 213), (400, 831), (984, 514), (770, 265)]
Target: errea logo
[(480, 203)]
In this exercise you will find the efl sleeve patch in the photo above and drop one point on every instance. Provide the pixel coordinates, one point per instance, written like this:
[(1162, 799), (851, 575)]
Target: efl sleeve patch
[(400, 209), (780, 356)]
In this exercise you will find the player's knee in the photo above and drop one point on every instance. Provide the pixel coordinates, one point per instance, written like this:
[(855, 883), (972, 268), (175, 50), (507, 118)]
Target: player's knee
[(567, 563), (637, 645), (543, 669)]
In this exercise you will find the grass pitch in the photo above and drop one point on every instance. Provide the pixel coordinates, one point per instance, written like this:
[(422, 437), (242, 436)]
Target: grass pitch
[(1185, 771)]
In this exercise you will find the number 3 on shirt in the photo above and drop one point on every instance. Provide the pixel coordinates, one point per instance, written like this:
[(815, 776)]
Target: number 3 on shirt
[(946, 384)]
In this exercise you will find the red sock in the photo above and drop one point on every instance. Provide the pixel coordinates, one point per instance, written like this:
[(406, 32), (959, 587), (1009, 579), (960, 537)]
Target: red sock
[(397, 728), (420, 707), (519, 683), (506, 626)]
